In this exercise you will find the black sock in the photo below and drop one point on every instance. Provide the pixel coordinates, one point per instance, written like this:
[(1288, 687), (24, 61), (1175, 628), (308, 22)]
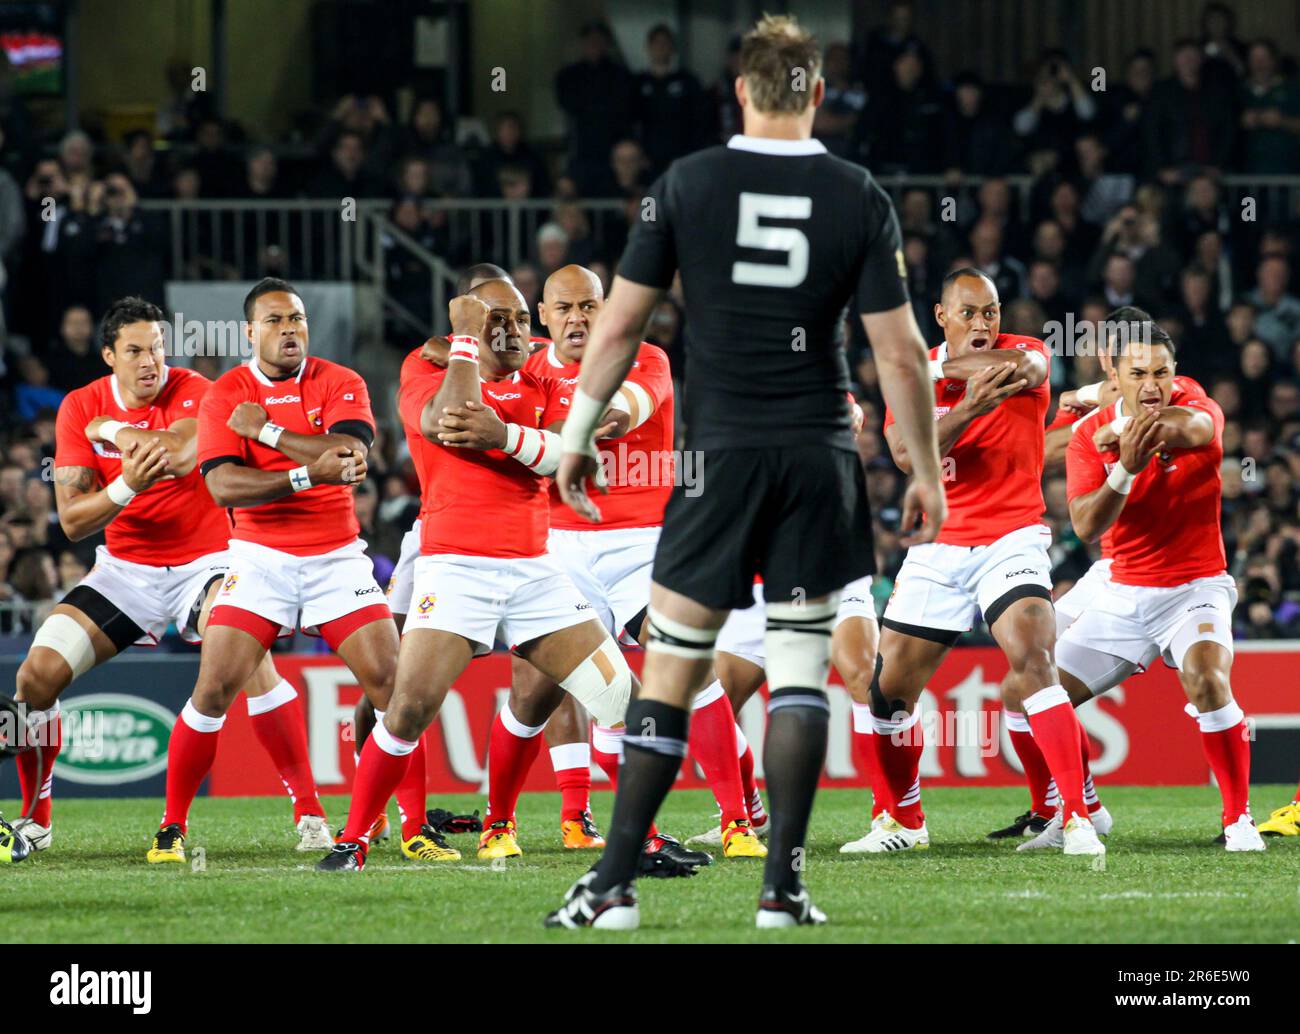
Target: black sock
[(653, 748), (793, 755)]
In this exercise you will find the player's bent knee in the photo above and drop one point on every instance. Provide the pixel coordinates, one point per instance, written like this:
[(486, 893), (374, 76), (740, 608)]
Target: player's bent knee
[(798, 643), (602, 684), (71, 653)]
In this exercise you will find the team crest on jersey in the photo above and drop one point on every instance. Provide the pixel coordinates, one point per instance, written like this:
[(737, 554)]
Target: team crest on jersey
[(538, 411), (229, 583), (427, 603), (313, 417)]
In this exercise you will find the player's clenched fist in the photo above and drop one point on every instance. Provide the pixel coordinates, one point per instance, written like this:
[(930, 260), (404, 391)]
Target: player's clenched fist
[(145, 465), (247, 419), (1140, 441), (469, 316), (338, 466)]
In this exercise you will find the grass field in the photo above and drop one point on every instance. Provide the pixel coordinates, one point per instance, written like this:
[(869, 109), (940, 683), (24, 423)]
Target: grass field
[(1163, 881)]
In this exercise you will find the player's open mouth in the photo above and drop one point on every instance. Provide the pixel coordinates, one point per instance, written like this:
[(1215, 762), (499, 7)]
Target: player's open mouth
[(577, 337), (979, 342), (148, 380), (1151, 403)]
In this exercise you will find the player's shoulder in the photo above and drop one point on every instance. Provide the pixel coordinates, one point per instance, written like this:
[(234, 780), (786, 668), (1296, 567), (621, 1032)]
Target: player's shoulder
[(1021, 341), (1087, 425), (327, 371), (1187, 388), (88, 396), (236, 379), (415, 365), (648, 353)]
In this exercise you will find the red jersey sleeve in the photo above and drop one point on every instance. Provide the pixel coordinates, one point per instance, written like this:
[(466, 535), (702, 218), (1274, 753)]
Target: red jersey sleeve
[(216, 439), (349, 400), (190, 394), (71, 447), (653, 373), (556, 398), (1207, 405), (1085, 470), (415, 393)]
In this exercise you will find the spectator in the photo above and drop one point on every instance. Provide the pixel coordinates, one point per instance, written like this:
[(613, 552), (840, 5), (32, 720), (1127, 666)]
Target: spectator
[(1125, 132), (552, 248), (74, 361), (509, 149), (1277, 312), (886, 42), (1103, 192), (367, 117), (595, 93), (668, 104), (112, 248), (141, 165), (988, 256), (837, 123), (905, 120), (33, 392), (1192, 122), (1204, 351), (1224, 52), (628, 171), (1255, 370), (1270, 116), (345, 176), (1044, 288), (429, 139), (77, 159), (1056, 112), (722, 95), (976, 140), (219, 170)]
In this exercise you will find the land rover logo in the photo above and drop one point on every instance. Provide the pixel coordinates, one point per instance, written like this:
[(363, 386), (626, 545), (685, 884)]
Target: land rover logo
[(134, 742)]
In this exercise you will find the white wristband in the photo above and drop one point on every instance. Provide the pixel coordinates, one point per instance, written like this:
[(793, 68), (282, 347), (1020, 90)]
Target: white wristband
[(1119, 423), (579, 433), (463, 347), (269, 435), (1120, 479), (1090, 393), (936, 369), (299, 479), (109, 429), (119, 491)]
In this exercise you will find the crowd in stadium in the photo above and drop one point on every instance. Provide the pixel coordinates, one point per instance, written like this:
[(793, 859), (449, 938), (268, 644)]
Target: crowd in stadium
[(1075, 193)]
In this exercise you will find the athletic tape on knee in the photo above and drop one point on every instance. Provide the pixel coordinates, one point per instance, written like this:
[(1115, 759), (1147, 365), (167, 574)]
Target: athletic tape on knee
[(602, 684), (798, 644), (1229, 716), (281, 693), (1015, 721), (517, 728), (881, 707), (679, 639), (65, 636)]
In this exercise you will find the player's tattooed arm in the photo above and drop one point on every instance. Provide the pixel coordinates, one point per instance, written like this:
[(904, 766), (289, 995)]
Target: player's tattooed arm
[(248, 420), (1030, 366), (85, 507)]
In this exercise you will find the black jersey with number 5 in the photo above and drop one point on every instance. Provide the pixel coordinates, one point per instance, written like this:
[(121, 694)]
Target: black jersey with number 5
[(773, 239)]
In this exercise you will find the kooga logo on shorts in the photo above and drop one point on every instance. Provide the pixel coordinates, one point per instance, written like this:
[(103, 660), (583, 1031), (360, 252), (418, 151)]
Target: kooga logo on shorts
[(133, 744)]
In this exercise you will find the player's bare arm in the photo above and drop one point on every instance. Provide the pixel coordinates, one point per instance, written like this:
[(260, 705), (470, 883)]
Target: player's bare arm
[(605, 366), (1139, 443), (1029, 366), (85, 508), (900, 356), (248, 420), (470, 318), (180, 441), (235, 485)]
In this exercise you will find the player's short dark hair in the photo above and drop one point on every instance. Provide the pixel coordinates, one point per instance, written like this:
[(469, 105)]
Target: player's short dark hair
[(1141, 332), (960, 273), (122, 313), (267, 285), (479, 272)]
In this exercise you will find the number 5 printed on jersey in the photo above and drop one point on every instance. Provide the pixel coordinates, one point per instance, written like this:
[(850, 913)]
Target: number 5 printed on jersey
[(750, 234)]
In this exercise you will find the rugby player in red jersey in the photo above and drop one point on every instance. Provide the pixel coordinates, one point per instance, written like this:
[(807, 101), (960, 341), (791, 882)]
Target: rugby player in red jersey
[(282, 440), (125, 465), (991, 398), (482, 572), (1144, 474), (610, 564)]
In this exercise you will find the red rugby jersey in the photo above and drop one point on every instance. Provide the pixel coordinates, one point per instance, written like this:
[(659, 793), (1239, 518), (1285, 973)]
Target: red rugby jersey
[(322, 395), (480, 502), (640, 464), (1168, 532), (995, 485), (171, 523)]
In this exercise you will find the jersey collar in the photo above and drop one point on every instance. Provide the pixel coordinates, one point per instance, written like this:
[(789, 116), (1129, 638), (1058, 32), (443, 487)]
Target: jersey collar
[(942, 355), (552, 358), (773, 146), (117, 394), (262, 378)]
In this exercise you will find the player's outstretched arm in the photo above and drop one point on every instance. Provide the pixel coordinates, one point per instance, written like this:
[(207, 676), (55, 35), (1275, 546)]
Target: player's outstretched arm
[(901, 359), (1030, 366), (1183, 427), (605, 366)]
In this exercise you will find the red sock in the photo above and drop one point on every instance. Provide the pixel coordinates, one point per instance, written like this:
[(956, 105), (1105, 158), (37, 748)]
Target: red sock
[(378, 775), (190, 753), (512, 749), (607, 751), (412, 793), (1090, 797), (572, 765), (864, 755), (281, 729), (712, 742), (1037, 774), (1057, 733), (753, 800), (35, 778), (1228, 752), (898, 757)]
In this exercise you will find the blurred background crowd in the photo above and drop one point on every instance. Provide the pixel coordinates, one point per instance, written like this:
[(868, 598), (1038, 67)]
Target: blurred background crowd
[(1166, 184)]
